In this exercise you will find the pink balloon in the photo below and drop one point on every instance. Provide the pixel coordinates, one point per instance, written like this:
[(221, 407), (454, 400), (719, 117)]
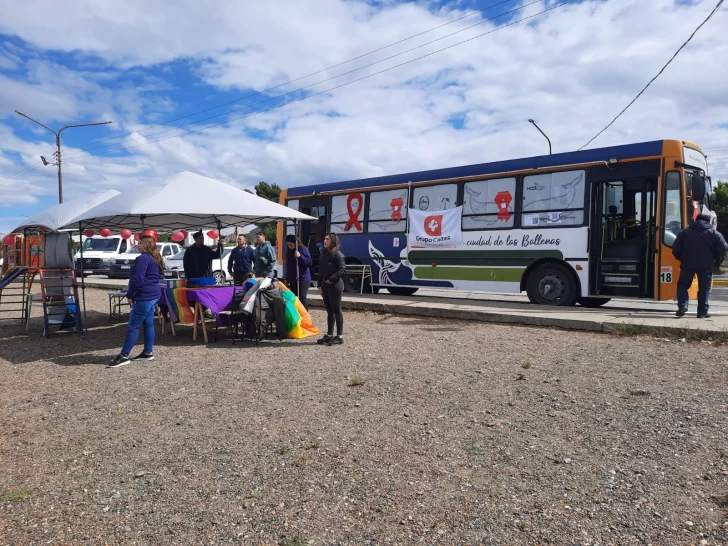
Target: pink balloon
[(104, 232), (125, 233), (137, 236), (213, 234), (178, 237)]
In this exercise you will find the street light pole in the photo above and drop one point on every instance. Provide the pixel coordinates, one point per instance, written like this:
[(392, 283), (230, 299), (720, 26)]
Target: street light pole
[(58, 146), (540, 131)]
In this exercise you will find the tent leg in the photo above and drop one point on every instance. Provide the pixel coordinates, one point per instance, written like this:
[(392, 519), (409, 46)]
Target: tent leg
[(84, 326)]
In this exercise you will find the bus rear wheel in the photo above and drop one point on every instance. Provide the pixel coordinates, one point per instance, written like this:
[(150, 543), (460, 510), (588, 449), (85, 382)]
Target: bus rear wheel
[(593, 302), (552, 284), (401, 290)]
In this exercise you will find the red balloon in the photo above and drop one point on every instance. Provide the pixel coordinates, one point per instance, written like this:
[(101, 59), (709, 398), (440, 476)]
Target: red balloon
[(89, 233), (151, 233), (178, 237), (137, 236), (9, 240), (213, 234), (125, 233), (183, 232), (104, 232)]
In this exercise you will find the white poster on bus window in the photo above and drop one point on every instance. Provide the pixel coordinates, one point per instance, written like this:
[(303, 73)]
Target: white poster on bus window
[(435, 229)]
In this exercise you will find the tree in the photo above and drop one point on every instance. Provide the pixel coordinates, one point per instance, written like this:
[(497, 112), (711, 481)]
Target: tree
[(271, 192), (720, 206)]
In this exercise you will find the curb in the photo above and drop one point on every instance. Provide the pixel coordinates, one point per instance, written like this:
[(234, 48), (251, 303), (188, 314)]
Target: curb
[(513, 319), (720, 282)]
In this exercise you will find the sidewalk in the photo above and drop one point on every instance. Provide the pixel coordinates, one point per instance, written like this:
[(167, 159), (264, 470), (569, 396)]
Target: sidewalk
[(627, 316)]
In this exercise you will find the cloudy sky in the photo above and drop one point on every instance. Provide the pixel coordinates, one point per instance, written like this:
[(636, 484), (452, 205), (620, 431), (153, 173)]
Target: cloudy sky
[(151, 67)]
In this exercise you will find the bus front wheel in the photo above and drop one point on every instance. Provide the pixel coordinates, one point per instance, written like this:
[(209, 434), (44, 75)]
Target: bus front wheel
[(401, 290), (552, 284)]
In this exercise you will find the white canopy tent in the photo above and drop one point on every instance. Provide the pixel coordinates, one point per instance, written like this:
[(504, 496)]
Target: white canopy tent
[(187, 200), (64, 214)]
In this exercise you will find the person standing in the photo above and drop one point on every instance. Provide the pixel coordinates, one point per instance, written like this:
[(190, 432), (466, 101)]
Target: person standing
[(331, 283), (240, 263), (265, 257), (143, 295), (298, 269), (198, 258), (697, 247)]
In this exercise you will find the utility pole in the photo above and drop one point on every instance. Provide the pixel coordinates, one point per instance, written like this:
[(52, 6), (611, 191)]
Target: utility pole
[(58, 147), (540, 131)]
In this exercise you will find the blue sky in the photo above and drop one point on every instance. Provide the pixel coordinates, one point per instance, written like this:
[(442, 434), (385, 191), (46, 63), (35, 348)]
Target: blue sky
[(141, 66)]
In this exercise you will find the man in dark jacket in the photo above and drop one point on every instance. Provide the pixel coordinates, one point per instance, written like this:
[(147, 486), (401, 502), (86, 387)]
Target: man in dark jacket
[(241, 261), (697, 247), (198, 258)]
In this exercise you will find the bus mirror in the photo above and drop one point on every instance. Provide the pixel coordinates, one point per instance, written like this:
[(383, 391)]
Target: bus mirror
[(698, 187)]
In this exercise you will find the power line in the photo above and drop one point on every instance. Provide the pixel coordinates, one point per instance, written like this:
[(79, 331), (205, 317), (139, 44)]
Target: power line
[(345, 84), (307, 86), (307, 75), (715, 9)]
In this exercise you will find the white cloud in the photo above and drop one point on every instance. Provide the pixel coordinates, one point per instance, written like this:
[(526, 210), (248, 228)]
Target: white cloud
[(572, 70)]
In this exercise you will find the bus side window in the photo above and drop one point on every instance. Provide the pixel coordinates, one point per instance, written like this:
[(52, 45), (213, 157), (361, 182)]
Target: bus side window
[(672, 202)]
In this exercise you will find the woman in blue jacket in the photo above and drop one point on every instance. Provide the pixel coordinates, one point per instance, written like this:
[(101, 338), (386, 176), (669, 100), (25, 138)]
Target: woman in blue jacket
[(298, 269), (143, 295)]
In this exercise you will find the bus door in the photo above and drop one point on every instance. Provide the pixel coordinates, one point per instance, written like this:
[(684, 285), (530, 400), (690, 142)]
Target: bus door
[(622, 245), (312, 233)]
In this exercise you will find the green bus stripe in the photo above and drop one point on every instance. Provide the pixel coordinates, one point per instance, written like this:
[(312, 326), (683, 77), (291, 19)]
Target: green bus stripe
[(493, 274), (503, 258)]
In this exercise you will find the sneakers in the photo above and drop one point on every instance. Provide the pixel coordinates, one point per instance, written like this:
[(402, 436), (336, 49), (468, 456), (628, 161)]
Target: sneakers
[(324, 340), (706, 315), (338, 340), (681, 311), (144, 356), (118, 362)]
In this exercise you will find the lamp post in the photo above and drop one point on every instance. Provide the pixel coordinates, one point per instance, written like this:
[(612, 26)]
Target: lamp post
[(540, 131), (58, 147)]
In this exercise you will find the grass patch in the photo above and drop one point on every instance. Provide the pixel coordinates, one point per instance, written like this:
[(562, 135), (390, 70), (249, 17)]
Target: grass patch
[(282, 449), (639, 392), (356, 382), (475, 449), (298, 461), (527, 365), (314, 445), (15, 496)]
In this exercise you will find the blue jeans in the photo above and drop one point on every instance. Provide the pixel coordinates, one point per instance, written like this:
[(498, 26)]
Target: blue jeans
[(705, 277), (142, 313)]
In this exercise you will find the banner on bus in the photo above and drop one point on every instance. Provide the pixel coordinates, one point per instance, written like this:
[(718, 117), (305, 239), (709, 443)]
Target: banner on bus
[(435, 229)]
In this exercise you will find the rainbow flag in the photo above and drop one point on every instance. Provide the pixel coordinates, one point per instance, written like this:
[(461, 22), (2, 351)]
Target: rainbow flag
[(298, 321), (179, 307)]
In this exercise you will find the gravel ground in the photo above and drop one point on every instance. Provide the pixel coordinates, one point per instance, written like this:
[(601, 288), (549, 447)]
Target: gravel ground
[(413, 432)]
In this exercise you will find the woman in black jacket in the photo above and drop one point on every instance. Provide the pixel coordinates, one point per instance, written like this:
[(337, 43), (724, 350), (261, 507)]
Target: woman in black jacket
[(331, 284)]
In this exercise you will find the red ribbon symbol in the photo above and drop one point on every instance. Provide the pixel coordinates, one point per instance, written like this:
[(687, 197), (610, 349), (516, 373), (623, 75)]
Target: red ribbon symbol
[(503, 199), (397, 203), (354, 214)]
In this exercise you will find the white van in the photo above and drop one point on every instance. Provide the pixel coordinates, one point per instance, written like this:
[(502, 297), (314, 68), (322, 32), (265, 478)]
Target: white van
[(99, 254)]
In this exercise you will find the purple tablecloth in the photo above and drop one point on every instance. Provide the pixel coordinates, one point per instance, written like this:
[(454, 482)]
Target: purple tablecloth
[(215, 298)]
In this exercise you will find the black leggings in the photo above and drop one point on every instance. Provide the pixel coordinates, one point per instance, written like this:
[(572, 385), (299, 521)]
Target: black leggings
[(332, 301)]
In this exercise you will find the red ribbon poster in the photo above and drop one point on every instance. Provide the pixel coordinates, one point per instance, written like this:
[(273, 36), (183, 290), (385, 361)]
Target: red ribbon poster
[(503, 200), (397, 203), (354, 214)]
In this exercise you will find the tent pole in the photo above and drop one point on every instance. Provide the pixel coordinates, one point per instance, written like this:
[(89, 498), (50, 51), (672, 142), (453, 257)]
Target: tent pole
[(83, 281), (295, 249)]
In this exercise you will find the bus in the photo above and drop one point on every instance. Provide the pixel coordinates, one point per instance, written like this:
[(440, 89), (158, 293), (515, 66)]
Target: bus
[(577, 227)]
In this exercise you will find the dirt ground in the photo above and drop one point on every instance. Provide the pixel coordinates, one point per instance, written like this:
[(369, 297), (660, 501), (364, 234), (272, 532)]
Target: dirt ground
[(413, 432)]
